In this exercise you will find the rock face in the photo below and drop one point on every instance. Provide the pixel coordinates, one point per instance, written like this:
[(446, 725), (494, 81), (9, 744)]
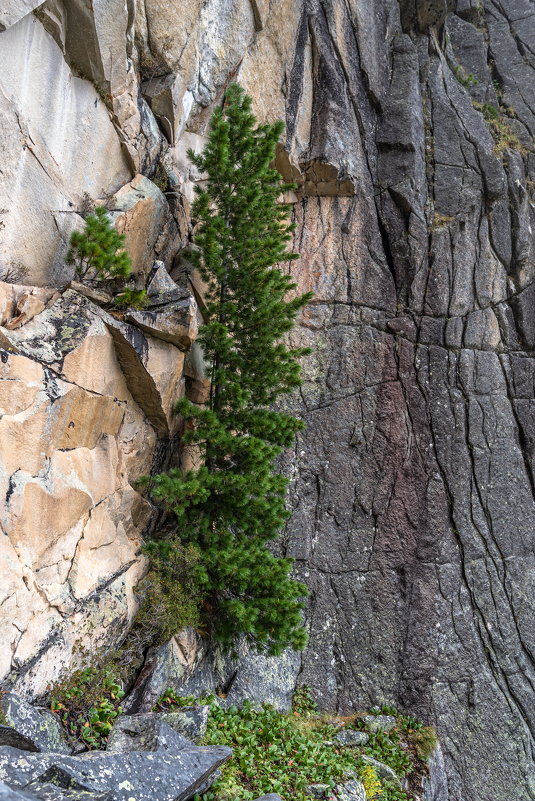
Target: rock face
[(410, 135), (84, 400)]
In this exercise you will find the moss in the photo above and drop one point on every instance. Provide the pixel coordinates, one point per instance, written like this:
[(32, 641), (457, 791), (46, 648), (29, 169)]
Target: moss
[(497, 120)]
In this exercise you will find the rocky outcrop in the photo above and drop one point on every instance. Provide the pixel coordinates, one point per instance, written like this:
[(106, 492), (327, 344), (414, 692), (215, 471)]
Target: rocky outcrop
[(409, 132), (145, 754), (85, 398)]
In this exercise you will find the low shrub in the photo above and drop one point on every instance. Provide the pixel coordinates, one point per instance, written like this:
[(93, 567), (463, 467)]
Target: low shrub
[(87, 703)]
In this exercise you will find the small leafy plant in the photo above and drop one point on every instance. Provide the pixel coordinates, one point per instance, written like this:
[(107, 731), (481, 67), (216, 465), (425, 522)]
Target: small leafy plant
[(372, 784), (466, 79), (285, 753), (303, 702), (88, 703), (169, 701)]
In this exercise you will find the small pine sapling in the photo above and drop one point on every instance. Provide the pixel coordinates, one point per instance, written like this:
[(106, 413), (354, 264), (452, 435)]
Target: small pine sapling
[(233, 506), (97, 253)]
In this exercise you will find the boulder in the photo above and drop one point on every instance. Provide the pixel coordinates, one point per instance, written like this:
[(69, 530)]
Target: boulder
[(350, 790), (38, 728), (165, 667), (145, 732), (269, 797), (175, 774), (382, 770), (350, 737), (375, 723), (318, 790), (191, 721), (175, 322)]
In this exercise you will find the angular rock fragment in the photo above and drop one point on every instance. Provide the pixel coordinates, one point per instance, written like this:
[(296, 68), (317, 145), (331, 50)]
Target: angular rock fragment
[(161, 288), (375, 723), (350, 737), (144, 732), (190, 721), (167, 776), (25, 723), (175, 323)]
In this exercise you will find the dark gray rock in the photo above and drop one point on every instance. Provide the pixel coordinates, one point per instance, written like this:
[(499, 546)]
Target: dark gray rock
[(146, 732), (413, 485), (30, 728), (169, 776), (350, 737)]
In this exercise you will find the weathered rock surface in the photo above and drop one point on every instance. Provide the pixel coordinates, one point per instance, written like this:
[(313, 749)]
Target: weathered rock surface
[(351, 737), (410, 134), (351, 790), (174, 774), (73, 441), (144, 733), (39, 727)]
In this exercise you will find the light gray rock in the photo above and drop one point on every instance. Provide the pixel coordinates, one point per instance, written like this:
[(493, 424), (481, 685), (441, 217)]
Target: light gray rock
[(14, 10), (382, 770), (350, 737), (375, 723), (351, 790), (161, 288), (45, 171)]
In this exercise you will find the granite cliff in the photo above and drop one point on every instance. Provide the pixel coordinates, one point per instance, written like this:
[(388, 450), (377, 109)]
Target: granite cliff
[(409, 131)]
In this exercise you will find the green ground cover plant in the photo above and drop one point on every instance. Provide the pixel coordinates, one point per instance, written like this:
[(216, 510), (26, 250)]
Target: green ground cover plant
[(285, 753), (87, 703)]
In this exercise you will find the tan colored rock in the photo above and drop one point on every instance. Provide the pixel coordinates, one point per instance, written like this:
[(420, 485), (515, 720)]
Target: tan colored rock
[(20, 381), (175, 322), (18, 300), (96, 295), (140, 213), (153, 371), (28, 306), (79, 419)]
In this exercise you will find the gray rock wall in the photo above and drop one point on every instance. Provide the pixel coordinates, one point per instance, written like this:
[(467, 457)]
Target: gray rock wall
[(413, 484)]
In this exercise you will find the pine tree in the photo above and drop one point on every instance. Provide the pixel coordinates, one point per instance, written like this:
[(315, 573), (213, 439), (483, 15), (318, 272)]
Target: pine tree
[(234, 505), (98, 251)]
